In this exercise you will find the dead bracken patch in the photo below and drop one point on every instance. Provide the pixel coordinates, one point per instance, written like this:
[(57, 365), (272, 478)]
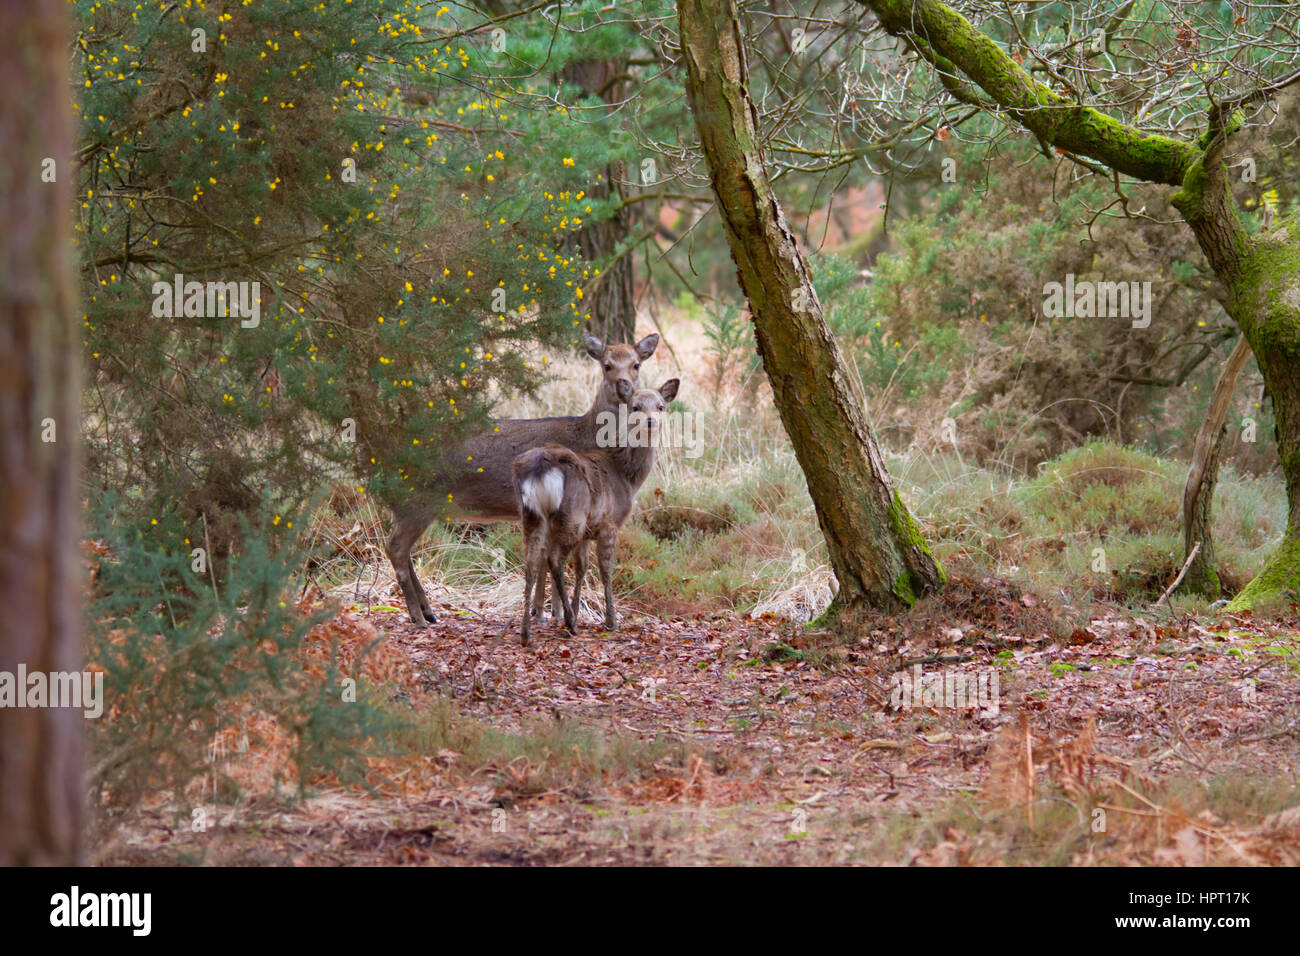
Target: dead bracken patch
[(670, 521)]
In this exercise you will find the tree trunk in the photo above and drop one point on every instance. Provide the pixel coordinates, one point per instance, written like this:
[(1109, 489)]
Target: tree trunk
[(878, 553), (612, 296), (40, 747), (1198, 495)]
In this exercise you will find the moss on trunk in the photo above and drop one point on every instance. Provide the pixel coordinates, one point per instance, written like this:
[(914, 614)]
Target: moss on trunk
[(1278, 582)]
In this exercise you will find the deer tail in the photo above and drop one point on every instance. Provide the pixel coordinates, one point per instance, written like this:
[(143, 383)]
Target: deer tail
[(540, 477)]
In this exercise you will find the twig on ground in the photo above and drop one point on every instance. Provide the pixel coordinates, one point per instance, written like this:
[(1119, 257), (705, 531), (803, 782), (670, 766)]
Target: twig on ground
[(1178, 580)]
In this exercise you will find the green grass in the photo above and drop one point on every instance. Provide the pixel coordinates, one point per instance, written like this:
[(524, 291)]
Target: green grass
[(1045, 532)]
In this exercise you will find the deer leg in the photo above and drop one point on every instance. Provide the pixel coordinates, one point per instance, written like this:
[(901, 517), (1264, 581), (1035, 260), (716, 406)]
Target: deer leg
[(533, 576), (556, 560), (425, 607), (579, 572), (405, 533), (606, 545), (539, 599), (529, 578)]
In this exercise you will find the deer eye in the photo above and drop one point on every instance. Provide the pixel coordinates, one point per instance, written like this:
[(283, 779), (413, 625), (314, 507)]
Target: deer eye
[(608, 367), (636, 366)]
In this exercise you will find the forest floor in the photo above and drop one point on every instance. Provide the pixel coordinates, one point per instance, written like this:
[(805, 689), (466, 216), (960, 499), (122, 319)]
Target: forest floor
[(1152, 739)]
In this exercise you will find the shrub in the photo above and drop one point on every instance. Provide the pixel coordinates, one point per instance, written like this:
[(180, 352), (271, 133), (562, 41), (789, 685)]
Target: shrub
[(187, 659)]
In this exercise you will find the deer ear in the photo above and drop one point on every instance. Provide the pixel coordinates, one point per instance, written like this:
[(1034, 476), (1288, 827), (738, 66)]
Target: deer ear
[(646, 347), (595, 347), (624, 389), (669, 389)]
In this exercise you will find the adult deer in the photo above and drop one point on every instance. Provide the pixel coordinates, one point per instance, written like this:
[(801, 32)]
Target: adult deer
[(483, 489), (567, 499)]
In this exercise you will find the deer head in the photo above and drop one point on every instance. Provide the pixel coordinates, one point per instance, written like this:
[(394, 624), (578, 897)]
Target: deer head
[(620, 363), (646, 407)]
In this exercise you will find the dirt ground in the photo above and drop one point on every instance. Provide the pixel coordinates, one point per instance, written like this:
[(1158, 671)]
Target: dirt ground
[(781, 745)]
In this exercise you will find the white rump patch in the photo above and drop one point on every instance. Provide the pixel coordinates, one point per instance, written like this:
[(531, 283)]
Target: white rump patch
[(543, 496)]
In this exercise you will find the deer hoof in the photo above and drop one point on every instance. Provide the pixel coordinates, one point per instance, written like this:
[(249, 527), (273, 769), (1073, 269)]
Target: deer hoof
[(428, 616)]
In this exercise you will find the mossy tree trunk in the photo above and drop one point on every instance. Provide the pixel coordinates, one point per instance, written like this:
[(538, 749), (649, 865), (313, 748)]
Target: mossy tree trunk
[(1265, 302), (40, 583), (1260, 273), (878, 553)]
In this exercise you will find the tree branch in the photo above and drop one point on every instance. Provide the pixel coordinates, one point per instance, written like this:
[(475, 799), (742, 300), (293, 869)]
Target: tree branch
[(1053, 118)]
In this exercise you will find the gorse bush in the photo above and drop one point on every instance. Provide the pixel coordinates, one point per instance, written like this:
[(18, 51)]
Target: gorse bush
[(731, 343), (410, 233), (952, 324), (874, 341)]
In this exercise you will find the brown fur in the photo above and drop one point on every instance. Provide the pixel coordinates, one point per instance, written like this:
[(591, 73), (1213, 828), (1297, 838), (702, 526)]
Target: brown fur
[(483, 489), (599, 488)]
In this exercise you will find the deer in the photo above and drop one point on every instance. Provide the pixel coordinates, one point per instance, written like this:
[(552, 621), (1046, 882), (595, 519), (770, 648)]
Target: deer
[(567, 499), (482, 489)]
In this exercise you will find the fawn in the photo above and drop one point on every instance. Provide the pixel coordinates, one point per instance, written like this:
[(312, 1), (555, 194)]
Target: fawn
[(568, 498), (482, 490)]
